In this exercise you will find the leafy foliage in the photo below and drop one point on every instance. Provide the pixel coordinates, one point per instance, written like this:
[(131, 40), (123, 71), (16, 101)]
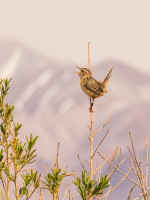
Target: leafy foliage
[(29, 179), (15, 154), (90, 188), (53, 180)]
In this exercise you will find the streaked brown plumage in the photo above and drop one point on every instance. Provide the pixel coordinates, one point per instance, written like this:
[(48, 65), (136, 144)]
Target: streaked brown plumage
[(92, 87)]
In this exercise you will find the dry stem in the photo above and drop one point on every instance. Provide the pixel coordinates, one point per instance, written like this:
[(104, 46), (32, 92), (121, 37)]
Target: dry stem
[(136, 165), (81, 163), (89, 56), (91, 147), (119, 170), (100, 143), (102, 127), (91, 127), (125, 176)]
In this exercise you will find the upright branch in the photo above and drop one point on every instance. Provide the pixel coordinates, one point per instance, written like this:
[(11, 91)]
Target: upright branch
[(91, 126), (91, 184), (91, 102), (89, 56), (91, 146)]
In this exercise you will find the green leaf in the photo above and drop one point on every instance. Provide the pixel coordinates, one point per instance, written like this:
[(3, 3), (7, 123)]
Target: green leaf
[(1, 155), (88, 188), (54, 180), (103, 184), (18, 126), (2, 129), (23, 191), (31, 142)]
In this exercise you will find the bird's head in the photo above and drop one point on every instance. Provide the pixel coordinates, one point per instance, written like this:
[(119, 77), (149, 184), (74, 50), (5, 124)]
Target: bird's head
[(84, 73)]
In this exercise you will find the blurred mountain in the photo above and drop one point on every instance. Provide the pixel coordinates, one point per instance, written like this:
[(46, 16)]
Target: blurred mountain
[(49, 102)]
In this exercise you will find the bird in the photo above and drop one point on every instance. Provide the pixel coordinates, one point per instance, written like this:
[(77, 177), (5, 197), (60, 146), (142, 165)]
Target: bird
[(91, 87)]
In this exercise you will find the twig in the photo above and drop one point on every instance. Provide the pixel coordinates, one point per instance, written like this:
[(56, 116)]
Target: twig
[(97, 173), (142, 195), (114, 170), (91, 127), (129, 196), (134, 170), (44, 168), (40, 193), (112, 162), (102, 127), (125, 176), (91, 146), (138, 171), (100, 143), (138, 168), (65, 194), (69, 174), (89, 56), (105, 161), (56, 162), (81, 163), (120, 171)]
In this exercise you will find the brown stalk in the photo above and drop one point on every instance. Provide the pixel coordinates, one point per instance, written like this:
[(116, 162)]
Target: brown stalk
[(131, 190), (89, 56), (119, 170), (138, 171), (91, 126), (137, 164), (91, 146), (117, 165), (125, 176), (81, 163), (102, 127), (100, 143), (105, 161)]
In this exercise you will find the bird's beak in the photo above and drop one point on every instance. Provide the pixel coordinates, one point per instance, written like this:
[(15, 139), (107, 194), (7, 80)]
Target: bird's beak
[(77, 72), (78, 67)]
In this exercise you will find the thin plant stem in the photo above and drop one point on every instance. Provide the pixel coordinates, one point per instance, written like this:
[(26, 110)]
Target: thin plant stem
[(100, 143), (89, 56), (81, 163), (6, 150), (91, 127), (119, 170), (91, 146)]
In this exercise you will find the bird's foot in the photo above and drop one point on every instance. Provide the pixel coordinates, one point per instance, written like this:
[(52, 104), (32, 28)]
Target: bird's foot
[(90, 108)]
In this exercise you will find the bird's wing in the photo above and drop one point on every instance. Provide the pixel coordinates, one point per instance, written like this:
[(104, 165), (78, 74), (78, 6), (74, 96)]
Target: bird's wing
[(93, 85)]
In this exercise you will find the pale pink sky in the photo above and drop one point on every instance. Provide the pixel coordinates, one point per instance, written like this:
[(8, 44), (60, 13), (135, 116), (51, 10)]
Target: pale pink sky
[(61, 29)]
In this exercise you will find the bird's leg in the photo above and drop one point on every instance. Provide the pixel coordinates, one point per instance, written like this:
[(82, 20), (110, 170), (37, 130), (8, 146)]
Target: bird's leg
[(91, 105)]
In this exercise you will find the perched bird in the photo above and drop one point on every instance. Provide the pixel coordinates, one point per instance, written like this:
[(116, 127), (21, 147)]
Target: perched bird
[(92, 87)]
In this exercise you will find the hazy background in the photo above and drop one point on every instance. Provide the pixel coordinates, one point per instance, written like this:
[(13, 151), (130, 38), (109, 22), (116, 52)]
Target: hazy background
[(41, 42), (61, 29)]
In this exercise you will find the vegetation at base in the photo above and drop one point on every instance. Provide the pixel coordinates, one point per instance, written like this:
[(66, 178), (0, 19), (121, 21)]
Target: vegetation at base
[(15, 154), (90, 188)]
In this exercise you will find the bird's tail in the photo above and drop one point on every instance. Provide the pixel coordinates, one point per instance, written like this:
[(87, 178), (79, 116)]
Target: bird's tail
[(105, 81)]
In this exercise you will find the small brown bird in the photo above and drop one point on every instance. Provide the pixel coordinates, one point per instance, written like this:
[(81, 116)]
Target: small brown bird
[(92, 87)]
